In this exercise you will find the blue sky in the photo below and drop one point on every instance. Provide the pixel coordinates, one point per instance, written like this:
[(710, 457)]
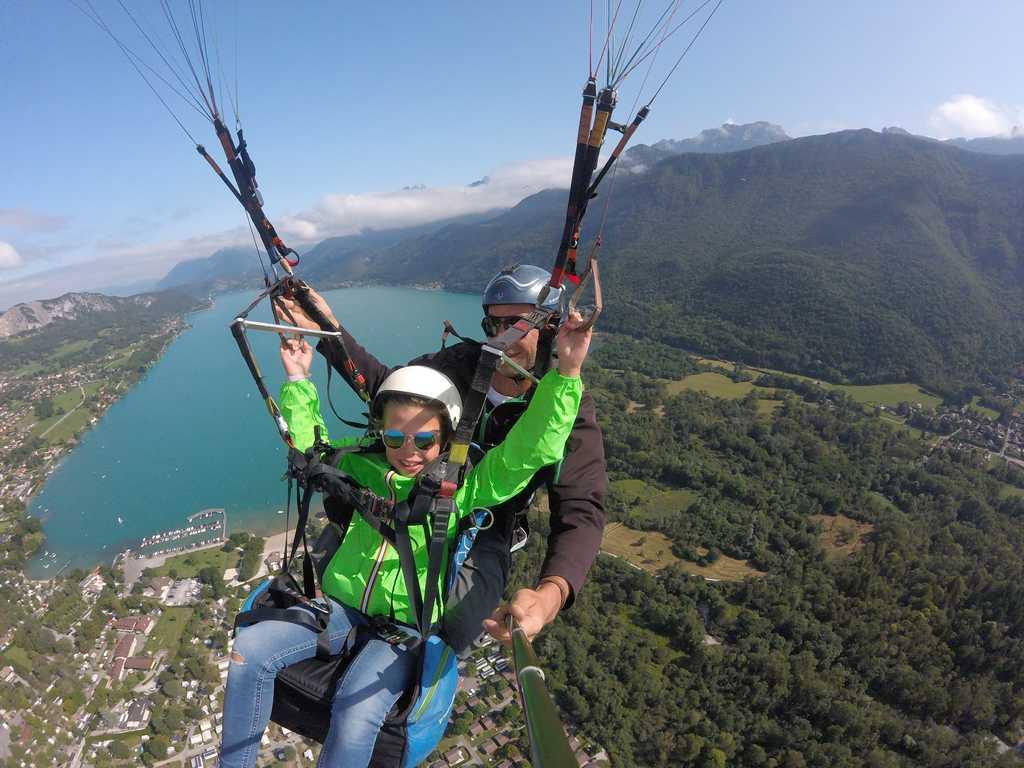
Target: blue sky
[(346, 104)]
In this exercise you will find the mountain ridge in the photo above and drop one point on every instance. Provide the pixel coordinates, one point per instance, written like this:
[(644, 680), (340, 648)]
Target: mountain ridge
[(71, 306), (912, 246)]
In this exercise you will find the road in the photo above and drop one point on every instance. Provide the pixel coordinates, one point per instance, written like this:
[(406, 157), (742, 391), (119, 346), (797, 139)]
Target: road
[(943, 439), (58, 421)]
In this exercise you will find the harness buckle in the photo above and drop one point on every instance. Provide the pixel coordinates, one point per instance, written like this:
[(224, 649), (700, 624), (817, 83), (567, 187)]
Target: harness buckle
[(320, 605), (390, 632)]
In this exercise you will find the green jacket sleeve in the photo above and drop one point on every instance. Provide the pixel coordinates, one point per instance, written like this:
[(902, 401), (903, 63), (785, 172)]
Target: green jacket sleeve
[(300, 406), (536, 440)]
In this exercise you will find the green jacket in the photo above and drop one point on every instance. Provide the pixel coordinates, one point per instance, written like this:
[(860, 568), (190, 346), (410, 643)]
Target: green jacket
[(365, 573)]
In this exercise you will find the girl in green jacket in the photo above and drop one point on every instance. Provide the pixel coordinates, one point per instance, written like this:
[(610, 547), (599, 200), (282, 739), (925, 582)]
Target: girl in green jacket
[(418, 409)]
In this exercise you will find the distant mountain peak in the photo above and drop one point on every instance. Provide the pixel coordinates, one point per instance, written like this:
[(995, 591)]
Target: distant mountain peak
[(1010, 144), (729, 137), (724, 138), (31, 315)]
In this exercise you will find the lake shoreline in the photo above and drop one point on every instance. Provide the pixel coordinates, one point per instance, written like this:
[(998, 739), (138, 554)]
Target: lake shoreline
[(193, 432)]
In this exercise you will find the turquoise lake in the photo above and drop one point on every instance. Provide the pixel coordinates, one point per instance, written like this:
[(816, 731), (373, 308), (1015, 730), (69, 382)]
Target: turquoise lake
[(194, 432)]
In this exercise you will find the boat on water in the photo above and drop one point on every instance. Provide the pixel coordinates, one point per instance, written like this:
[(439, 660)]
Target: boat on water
[(120, 521)]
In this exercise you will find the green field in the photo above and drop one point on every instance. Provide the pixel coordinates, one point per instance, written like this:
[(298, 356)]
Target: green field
[(190, 564), (647, 502), (166, 635), (984, 411), (633, 487), (648, 550), (54, 357), (17, 657), (1008, 491), (898, 423), (874, 394), (66, 402), (651, 551), (123, 357), (888, 394), (714, 384), (841, 536)]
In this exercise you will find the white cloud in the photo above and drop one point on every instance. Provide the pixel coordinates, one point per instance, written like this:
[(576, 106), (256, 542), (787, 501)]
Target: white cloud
[(9, 257), (340, 214), (971, 116), (119, 261)]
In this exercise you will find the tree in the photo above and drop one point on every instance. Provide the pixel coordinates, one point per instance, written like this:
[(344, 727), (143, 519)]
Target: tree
[(157, 747), (120, 750)]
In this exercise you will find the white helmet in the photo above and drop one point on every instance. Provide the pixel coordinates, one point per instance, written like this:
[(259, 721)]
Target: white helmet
[(424, 382)]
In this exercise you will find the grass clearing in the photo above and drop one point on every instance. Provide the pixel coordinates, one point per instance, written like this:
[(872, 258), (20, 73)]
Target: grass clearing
[(983, 410), (71, 418), (725, 568), (651, 551), (649, 503), (166, 635), (69, 348), (648, 550), (714, 384), (723, 364), (1008, 491), (768, 407), (189, 565), (70, 427), (886, 503), (122, 358), (717, 385), (888, 394), (874, 394), (17, 657), (633, 488), (898, 423), (841, 536)]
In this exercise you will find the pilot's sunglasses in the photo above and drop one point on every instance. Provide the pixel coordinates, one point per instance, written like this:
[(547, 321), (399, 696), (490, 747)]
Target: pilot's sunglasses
[(493, 326), (396, 438)]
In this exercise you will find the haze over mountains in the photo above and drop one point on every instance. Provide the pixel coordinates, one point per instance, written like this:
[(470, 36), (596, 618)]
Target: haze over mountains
[(856, 255), (989, 145)]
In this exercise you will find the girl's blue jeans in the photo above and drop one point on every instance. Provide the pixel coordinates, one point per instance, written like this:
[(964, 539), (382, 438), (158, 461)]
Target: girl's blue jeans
[(366, 692)]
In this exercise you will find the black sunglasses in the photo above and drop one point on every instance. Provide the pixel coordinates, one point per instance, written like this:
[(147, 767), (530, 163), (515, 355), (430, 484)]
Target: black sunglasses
[(494, 326)]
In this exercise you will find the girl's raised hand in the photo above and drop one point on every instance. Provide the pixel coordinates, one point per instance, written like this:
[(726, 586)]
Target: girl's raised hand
[(297, 357)]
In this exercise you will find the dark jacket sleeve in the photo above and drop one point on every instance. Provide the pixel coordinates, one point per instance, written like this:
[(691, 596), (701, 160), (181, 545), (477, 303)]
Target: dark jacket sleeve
[(373, 369), (576, 498)]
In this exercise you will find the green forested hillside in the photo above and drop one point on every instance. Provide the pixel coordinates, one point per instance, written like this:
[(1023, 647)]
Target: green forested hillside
[(854, 256), (94, 332), (905, 653)]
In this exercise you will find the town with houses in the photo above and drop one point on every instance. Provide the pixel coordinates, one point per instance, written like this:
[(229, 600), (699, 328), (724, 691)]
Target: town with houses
[(153, 681), (966, 427), (45, 406)]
